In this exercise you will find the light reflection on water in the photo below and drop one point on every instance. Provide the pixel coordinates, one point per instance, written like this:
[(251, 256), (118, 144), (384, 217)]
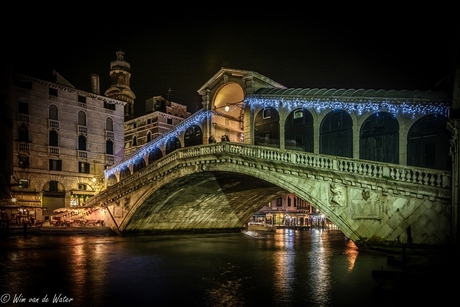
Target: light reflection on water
[(286, 268)]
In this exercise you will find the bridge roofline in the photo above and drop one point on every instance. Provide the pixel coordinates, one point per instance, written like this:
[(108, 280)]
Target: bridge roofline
[(239, 73), (415, 96)]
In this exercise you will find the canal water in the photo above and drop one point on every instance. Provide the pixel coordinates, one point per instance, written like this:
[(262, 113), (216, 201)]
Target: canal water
[(286, 268)]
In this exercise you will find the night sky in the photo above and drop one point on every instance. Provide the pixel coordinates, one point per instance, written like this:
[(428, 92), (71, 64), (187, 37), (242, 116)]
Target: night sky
[(314, 48)]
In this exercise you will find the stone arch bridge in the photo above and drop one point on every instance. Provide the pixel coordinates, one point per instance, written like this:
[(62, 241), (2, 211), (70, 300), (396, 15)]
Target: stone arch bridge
[(218, 187)]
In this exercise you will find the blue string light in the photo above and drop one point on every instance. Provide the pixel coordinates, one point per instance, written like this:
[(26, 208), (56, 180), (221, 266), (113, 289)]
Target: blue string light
[(358, 107)]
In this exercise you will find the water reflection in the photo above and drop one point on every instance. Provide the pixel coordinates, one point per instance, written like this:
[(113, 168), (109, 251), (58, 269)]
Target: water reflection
[(352, 254), (320, 278), (284, 265), (286, 268), (226, 288)]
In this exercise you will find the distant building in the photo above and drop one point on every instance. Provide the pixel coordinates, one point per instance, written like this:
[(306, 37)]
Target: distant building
[(62, 140), (162, 116)]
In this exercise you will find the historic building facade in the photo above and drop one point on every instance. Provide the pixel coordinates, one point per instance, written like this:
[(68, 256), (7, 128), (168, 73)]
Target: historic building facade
[(161, 116), (63, 138)]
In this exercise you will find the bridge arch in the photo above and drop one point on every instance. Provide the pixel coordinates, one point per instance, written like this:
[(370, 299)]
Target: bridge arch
[(219, 186)]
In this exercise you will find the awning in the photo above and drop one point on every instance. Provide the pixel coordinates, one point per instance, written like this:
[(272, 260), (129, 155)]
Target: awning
[(20, 206), (22, 196), (83, 192)]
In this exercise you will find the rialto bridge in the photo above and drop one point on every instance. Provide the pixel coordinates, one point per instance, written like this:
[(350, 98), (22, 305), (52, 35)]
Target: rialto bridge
[(376, 163)]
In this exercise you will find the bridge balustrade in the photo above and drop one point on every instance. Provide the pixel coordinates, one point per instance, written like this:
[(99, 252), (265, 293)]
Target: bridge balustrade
[(380, 170)]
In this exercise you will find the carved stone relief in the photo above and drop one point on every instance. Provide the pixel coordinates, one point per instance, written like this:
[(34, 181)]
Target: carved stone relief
[(366, 208)]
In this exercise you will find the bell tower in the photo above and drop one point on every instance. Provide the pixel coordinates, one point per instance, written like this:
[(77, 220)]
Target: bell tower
[(120, 84)]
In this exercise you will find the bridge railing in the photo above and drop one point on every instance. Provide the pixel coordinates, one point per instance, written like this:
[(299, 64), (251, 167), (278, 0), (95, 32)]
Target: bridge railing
[(396, 172), (366, 168)]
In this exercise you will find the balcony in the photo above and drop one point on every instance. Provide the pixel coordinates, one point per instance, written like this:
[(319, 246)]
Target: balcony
[(83, 154), (23, 118), (23, 146), (53, 150), (82, 129), (109, 135), (109, 159), (53, 123)]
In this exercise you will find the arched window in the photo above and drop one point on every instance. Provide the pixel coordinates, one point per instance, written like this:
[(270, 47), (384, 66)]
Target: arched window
[(138, 164), (134, 141), (155, 154), (379, 138), (23, 133), (111, 180), (82, 118), (53, 138), (428, 143), (53, 112), (109, 147), (336, 134), (124, 173), (193, 136), (267, 128), (81, 142), (173, 144), (149, 136), (109, 124), (299, 131)]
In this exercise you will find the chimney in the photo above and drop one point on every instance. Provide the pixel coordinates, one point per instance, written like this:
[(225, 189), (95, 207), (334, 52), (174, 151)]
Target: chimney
[(95, 84)]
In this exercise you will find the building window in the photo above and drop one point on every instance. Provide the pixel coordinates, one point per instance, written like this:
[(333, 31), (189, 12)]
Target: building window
[(109, 124), (55, 165), (53, 138), (53, 186), (24, 183), (23, 107), (23, 134), (83, 167), (81, 142), (81, 118), (279, 202), (53, 112), (81, 99), (110, 106), (109, 147), (52, 92), (169, 121), (23, 161), (134, 141)]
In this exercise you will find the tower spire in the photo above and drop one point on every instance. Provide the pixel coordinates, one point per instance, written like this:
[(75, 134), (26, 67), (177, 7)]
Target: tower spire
[(120, 83)]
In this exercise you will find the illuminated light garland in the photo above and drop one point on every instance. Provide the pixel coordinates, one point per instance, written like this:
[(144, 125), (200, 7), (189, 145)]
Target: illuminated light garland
[(358, 107), (196, 119)]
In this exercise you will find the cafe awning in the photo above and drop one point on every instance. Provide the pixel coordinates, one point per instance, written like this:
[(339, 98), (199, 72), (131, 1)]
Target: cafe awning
[(83, 192)]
